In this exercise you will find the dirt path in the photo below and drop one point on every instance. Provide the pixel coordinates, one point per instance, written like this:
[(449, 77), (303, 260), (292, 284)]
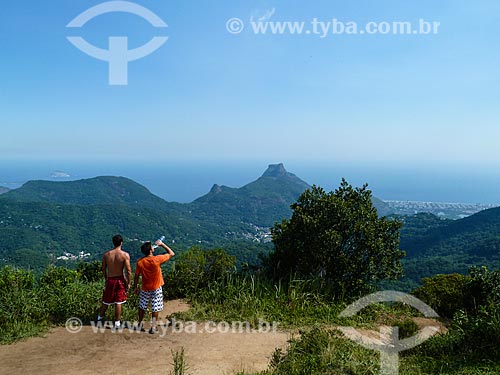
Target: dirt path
[(128, 352)]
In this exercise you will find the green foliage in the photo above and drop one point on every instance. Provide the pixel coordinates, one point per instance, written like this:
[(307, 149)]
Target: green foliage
[(89, 272), (407, 327), (475, 328), (15, 279), (195, 269), (436, 246), (250, 298), (444, 293), (321, 351), (337, 236), (58, 277), (476, 235), (327, 352), (296, 303), (179, 363), (21, 312), (76, 299), (74, 216), (49, 230), (28, 308), (482, 288), (248, 254)]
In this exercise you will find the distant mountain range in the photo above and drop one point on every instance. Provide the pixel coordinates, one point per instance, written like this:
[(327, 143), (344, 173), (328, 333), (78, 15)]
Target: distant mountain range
[(3, 190), (436, 246), (46, 218), (43, 219), (93, 191), (261, 202)]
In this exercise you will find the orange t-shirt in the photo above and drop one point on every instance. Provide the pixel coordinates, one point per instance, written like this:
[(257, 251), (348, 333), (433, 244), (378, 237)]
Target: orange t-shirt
[(149, 269)]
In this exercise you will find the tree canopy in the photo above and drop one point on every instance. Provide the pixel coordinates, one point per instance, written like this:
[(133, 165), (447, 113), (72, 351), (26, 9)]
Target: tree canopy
[(338, 237)]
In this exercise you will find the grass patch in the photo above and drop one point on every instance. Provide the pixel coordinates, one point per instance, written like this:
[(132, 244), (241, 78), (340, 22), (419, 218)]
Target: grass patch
[(298, 304)]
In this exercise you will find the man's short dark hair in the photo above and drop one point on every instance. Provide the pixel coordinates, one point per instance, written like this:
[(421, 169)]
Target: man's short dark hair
[(146, 247), (117, 240)]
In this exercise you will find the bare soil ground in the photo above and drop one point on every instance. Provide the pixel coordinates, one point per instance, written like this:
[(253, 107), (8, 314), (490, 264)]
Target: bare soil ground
[(131, 352)]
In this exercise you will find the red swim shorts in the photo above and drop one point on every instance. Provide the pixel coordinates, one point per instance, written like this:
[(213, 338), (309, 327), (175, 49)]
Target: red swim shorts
[(115, 291)]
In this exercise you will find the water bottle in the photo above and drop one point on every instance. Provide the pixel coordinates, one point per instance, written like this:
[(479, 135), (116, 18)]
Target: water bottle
[(159, 239)]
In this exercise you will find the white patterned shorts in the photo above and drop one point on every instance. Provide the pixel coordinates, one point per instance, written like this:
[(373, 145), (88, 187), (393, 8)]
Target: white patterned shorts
[(156, 298)]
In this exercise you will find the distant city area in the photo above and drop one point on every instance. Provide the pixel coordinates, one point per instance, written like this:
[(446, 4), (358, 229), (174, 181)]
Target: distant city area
[(441, 209)]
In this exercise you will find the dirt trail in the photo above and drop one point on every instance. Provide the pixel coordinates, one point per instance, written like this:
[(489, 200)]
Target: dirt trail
[(373, 336), (107, 352)]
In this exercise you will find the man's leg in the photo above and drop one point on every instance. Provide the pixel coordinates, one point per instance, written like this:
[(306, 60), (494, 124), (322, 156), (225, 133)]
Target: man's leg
[(102, 312), (106, 297), (118, 312), (120, 297), (143, 305), (141, 316), (156, 307), (155, 319)]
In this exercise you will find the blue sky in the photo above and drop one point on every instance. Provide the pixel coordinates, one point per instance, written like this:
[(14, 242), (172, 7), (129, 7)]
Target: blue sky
[(210, 95)]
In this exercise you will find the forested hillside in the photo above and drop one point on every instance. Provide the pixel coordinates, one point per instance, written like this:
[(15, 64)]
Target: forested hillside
[(436, 246), (42, 220)]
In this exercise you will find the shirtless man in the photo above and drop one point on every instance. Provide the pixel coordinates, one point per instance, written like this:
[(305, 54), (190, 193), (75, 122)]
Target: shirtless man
[(115, 293)]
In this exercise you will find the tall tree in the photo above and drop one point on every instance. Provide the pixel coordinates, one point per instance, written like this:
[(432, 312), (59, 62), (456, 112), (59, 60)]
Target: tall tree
[(339, 237)]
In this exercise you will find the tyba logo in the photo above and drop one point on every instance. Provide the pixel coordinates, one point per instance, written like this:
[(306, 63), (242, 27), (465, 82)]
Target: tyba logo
[(118, 55), (389, 344)]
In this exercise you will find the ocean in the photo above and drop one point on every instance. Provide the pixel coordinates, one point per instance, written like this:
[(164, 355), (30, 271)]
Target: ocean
[(184, 181)]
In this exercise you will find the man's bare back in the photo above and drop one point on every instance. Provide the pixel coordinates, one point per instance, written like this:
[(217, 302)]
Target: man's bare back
[(116, 261), (116, 288)]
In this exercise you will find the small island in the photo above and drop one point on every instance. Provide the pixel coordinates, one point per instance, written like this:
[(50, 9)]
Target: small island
[(60, 174)]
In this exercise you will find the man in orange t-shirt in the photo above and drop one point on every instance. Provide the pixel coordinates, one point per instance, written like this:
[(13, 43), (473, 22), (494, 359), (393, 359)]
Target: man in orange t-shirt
[(152, 280)]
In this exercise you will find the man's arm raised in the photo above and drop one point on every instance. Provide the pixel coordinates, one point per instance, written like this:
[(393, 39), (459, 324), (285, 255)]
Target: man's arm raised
[(168, 249)]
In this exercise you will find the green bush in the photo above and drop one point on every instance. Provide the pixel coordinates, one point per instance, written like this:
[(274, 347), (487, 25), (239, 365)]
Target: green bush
[(89, 272), (481, 289), (29, 307), (195, 269), (58, 277), (15, 278), (407, 327), (321, 351), (77, 299), (339, 237), (475, 329), (21, 309), (444, 293)]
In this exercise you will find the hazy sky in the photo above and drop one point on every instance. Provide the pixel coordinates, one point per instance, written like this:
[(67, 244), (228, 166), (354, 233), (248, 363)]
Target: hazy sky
[(208, 94)]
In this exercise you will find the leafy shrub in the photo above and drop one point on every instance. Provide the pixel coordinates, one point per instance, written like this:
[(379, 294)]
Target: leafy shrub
[(407, 327), (21, 310), (475, 329), (76, 299), (481, 289), (14, 278), (58, 277), (195, 270), (444, 293), (339, 237), (321, 351), (29, 307), (89, 272)]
